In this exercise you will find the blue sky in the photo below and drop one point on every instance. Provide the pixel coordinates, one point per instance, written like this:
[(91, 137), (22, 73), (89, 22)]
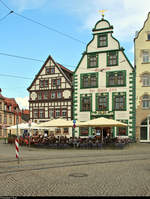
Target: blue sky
[(73, 17)]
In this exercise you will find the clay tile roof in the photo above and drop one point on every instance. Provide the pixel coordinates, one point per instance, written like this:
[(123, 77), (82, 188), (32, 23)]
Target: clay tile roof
[(66, 69), (10, 101), (1, 97), (26, 112)]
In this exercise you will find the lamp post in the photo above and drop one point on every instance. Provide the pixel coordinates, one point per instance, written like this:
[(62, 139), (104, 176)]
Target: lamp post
[(74, 126)]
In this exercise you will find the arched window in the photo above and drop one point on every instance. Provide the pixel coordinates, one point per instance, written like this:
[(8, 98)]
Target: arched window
[(146, 57), (146, 79), (146, 102), (144, 122)]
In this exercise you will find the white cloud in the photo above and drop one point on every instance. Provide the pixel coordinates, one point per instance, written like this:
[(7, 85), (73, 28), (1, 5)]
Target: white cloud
[(127, 16), (22, 102)]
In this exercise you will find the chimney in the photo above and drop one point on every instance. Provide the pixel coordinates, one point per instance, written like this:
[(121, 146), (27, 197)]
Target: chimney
[(136, 33), (0, 90)]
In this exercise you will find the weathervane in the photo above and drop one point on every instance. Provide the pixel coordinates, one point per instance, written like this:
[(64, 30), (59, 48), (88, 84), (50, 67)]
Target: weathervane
[(102, 11)]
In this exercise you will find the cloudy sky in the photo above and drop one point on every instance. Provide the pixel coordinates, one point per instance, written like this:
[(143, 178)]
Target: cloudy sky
[(74, 18)]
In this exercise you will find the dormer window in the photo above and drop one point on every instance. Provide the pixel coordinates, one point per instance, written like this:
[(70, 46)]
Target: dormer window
[(50, 70), (102, 40), (9, 108)]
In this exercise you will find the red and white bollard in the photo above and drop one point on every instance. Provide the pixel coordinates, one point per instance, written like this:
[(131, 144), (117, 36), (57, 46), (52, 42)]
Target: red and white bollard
[(17, 148)]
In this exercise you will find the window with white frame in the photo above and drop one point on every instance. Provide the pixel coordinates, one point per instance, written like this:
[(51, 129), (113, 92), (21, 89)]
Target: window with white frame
[(146, 79), (35, 114), (146, 56), (45, 95), (66, 130), (0, 131), (0, 119), (146, 102), (51, 113), (53, 95), (64, 112), (57, 130), (44, 83), (10, 119), (56, 82), (50, 70), (41, 113), (59, 94), (0, 105), (5, 119), (39, 95), (10, 108), (57, 113)]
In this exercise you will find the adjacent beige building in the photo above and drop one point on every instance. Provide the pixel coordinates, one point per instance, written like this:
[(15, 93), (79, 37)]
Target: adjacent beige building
[(142, 64)]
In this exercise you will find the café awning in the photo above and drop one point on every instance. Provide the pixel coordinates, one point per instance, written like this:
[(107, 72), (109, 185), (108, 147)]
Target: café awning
[(59, 123), (25, 126), (102, 122)]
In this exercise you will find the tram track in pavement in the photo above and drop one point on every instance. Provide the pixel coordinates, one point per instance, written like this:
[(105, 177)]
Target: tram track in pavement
[(31, 167), (24, 159)]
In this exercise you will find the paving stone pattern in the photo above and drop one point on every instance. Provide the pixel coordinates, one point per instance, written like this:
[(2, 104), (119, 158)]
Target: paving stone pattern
[(51, 172)]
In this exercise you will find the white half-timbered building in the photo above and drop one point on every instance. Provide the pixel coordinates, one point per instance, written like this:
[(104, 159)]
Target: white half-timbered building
[(104, 84), (50, 93)]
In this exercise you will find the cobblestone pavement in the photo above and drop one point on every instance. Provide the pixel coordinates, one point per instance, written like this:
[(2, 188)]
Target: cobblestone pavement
[(73, 172)]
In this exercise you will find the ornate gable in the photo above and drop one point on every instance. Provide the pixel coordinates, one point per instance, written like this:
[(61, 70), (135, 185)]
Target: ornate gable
[(51, 69)]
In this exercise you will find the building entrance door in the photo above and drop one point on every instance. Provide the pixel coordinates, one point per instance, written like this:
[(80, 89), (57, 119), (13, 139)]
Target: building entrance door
[(145, 130), (106, 132)]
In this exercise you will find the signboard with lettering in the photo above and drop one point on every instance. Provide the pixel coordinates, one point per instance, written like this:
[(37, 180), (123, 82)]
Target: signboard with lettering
[(103, 90)]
